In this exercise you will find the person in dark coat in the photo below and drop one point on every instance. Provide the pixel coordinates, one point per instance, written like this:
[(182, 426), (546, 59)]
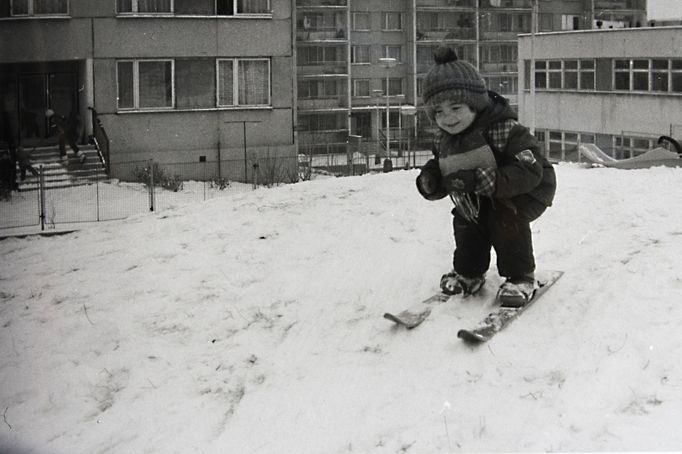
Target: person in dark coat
[(494, 171), (67, 131), (24, 161), (8, 142)]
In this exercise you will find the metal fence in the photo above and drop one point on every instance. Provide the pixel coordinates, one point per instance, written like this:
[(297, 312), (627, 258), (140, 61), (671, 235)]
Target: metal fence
[(140, 186)]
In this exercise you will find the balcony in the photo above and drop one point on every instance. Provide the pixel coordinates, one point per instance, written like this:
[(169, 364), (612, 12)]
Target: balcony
[(454, 34), (620, 5), (445, 4), (320, 3), (322, 104), (326, 35), (506, 4), (501, 36), (326, 69)]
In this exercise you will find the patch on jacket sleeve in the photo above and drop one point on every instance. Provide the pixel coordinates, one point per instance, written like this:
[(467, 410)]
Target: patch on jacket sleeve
[(526, 157)]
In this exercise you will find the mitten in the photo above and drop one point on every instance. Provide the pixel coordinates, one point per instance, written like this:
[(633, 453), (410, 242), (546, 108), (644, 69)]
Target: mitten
[(429, 181), (461, 181)]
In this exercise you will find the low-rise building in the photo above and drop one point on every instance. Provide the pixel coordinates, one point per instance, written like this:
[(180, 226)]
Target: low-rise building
[(617, 88), (170, 80)]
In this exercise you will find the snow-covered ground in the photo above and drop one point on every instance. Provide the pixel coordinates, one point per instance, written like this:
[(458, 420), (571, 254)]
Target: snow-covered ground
[(253, 324)]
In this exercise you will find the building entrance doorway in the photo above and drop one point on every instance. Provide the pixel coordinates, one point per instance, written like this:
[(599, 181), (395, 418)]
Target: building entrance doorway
[(37, 93)]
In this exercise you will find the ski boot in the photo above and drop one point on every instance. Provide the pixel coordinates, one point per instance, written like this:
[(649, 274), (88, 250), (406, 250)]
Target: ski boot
[(517, 292), (454, 284)]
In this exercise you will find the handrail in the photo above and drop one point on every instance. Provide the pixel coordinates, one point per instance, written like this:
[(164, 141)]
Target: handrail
[(101, 140)]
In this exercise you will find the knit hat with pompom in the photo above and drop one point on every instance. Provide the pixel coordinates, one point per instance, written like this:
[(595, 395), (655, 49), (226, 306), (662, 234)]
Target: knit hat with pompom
[(453, 79)]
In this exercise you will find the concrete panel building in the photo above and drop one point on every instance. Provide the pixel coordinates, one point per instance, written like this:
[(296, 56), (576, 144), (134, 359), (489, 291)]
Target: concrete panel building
[(345, 89), (170, 80), (618, 88)]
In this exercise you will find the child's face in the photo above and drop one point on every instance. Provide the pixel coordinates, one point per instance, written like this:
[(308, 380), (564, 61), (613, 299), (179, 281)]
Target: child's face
[(454, 117)]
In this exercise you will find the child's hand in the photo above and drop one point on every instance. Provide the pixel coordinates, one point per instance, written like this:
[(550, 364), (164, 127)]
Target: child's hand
[(461, 181)]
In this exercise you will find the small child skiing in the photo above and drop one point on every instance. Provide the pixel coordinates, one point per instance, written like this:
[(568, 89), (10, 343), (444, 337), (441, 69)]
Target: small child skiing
[(495, 173)]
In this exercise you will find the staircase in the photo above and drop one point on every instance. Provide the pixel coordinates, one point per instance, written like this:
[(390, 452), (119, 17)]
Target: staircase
[(63, 174)]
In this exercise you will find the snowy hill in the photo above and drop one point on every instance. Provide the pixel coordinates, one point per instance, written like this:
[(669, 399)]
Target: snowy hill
[(252, 324)]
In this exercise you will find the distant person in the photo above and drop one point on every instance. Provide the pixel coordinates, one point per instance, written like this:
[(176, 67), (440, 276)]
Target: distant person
[(24, 160), (67, 131), (7, 183), (8, 142), (494, 171)]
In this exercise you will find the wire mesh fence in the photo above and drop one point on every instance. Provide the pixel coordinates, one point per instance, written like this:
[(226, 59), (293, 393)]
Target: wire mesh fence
[(139, 187)]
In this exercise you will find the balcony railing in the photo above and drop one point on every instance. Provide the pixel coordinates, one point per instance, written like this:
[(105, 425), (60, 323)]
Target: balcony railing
[(313, 104), (506, 4), (321, 3), (446, 3), (321, 35), (444, 35), (323, 69), (501, 36)]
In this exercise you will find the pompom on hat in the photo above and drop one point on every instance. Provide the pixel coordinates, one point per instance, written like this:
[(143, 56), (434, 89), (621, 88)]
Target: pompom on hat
[(453, 79)]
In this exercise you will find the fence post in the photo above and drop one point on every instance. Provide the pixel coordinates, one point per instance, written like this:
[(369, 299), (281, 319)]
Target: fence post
[(41, 195), (151, 184)]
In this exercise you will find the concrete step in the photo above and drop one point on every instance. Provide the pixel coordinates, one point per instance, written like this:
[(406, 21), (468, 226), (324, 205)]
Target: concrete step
[(64, 173)]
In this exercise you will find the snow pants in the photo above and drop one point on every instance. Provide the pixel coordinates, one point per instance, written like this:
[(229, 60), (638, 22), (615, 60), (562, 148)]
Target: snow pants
[(498, 227)]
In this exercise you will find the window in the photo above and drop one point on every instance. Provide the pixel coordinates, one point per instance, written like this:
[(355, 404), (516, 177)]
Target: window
[(361, 22), (192, 83), (676, 75), (243, 82), (587, 74), (194, 7), (554, 74), (621, 71), (33, 8), (391, 21), (360, 55), (319, 89), (395, 85), (640, 75), (319, 55), (144, 6), (571, 74), (361, 87), (659, 75), (195, 83), (540, 74), (392, 52), (145, 84)]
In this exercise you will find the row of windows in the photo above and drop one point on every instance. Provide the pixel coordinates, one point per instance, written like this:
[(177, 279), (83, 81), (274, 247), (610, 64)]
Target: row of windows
[(565, 74), (563, 145), (334, 88), (192, 83), (194, 7), (659, 75), (19, 8), (390, 21)]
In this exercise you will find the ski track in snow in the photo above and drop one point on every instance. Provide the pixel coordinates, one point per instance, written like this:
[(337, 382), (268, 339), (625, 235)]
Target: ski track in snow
[(252, 324)]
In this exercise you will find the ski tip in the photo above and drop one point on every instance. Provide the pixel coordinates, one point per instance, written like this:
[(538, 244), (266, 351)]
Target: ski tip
[(470, 337)]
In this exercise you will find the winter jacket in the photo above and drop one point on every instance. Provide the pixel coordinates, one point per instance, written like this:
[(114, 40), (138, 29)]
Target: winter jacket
[(503, 151)]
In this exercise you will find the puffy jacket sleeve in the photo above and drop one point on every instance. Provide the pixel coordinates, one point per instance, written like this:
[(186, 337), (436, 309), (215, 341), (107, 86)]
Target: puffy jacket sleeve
[(521, 168)]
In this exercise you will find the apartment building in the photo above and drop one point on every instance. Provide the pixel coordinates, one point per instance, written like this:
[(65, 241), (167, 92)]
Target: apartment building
[(172, 80), (345, 89), (620, 89)]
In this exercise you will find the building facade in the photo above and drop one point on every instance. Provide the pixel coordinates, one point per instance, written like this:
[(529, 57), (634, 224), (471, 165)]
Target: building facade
[(617, 88), (170, 80), (345, 89)]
